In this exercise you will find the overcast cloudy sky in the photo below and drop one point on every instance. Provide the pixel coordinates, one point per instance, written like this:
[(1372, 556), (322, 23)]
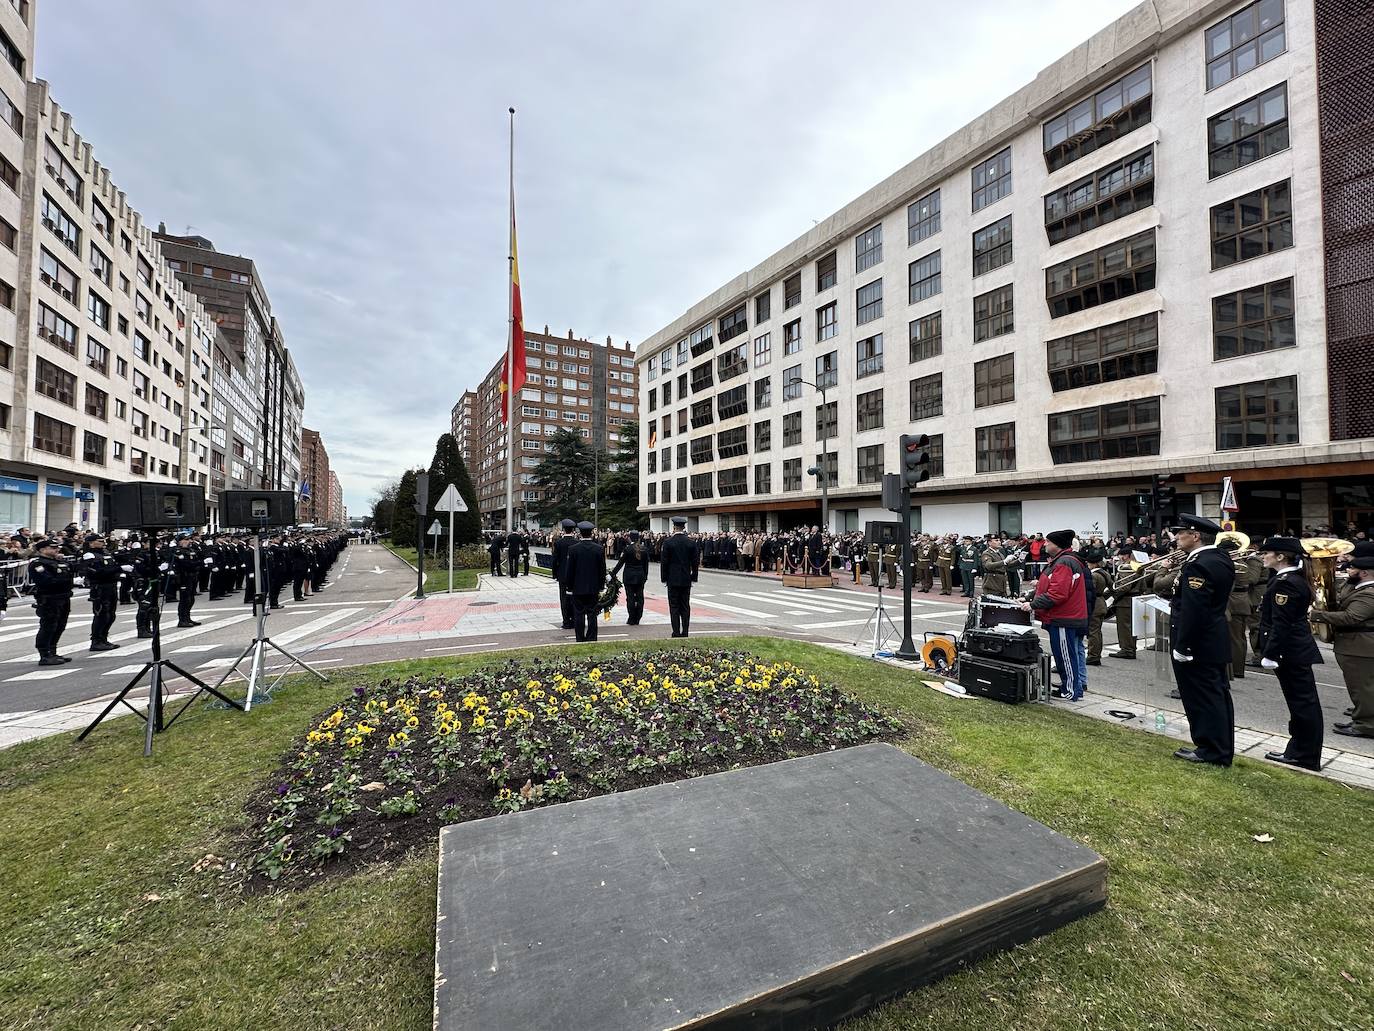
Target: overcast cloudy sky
[(357, 152)]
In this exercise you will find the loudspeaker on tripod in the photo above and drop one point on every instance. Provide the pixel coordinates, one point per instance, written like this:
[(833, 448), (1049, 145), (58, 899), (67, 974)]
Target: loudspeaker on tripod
[(137, 506), (253, 509)]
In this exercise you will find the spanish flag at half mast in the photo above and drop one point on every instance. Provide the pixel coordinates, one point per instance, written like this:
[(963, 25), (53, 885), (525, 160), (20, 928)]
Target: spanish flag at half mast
[(513, 373)]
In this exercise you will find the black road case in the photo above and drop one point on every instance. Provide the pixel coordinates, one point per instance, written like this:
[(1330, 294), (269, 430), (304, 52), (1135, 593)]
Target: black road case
[(989, 644), (1012, 682)]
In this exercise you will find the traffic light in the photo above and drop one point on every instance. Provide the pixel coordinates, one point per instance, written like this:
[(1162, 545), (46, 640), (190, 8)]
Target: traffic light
[(1142, 506), (915, 459)]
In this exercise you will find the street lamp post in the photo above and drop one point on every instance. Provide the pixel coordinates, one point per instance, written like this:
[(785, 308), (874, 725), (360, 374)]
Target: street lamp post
[(818, 471)]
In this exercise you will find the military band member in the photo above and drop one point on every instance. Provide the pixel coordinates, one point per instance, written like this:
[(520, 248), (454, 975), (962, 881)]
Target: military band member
[(891, 554), (100, 570), (1238, 610), (585, 573), (1125, 586), (1200, 642), (561, 545), (968, 562), (677, 569), (1102, 587), (944, 563), (925, 560), (52, 579), (634, 560), (875, 560), (1352, 619), (1259, 580), (1287, 648), (994, 563)]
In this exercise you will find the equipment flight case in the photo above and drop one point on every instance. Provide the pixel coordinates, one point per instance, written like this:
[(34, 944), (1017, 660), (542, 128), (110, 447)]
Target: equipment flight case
[(1006, 647), (1013, 682)]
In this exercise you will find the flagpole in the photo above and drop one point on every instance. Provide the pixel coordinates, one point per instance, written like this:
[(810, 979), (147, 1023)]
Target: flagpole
[(510, 343)]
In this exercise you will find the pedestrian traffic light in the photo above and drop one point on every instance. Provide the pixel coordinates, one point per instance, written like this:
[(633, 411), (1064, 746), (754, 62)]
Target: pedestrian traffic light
[(915, 459), (1142, 505)]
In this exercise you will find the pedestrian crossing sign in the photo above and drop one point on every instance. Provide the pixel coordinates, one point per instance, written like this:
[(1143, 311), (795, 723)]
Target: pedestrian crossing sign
[(1228, 496)]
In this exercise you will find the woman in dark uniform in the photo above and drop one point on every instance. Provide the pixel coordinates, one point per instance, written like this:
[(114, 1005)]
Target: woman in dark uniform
[(1286, 647), (634, 559)]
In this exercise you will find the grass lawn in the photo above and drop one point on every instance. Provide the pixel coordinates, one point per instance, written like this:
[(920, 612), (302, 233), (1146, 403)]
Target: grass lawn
[(104, 922), (436, 570)]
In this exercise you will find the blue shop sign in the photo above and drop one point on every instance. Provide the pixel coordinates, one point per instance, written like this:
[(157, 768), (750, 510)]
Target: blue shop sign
[(85, 495), (17, 486), (58, 490)]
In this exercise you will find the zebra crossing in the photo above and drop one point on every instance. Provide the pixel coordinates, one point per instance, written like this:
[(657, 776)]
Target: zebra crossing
[(827, 609)]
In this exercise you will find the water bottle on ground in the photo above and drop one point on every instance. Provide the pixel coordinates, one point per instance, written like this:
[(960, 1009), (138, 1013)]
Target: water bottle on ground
[(1160, 723)]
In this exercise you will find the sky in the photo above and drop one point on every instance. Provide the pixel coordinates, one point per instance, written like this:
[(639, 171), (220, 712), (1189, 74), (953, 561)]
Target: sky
[(357, 152)]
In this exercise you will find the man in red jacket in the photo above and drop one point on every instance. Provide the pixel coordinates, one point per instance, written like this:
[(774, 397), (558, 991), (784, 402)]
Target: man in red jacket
[(1061, 605)]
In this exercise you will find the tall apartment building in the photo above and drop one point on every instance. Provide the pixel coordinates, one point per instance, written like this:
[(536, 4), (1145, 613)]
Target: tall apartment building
[(1157, 257), (259, 401), (338, 514), (314, 506), (463, 426), (106, 357), (573, 384)]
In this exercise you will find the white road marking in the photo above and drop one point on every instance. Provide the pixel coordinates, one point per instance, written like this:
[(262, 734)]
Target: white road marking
[(318, 623), (834, 623), (43, 674), (190, 648), (791, 599), (456, 647), (742, 611), (124, 670)]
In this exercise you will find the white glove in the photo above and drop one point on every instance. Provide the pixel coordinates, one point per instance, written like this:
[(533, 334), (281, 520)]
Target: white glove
[(164, 567), (1180, 657), (78, 581), (1269, 664), (209, 562), (127, 569)]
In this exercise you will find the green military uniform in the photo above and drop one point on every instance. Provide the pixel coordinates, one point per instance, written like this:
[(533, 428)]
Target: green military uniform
[(874, 560), (1352, 619), (1102, 586), (994, 571), (944, 562), (1259, 580), (925, 558), (1121, 607), (891, 554), (1238, 611)]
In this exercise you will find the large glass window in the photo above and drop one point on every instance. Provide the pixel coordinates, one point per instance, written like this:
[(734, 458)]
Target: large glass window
[(992, 314), (1103, 355), (923, 218), (994, 381), (870, 464), (703, 449), (763, 350), (868, 411), (827, 420), (1119, 269), (791, 291), (791, 474), (763, 479), (992, 179), (1251, 130), (701, 485), (927, 396), (791, 429), (701, 341), (992, 246), (1108, 194), (868, 302), (825, 273), (763, 436), (791, 383), (703, 376), (1255, 224), (732, 482), (1256, 319), (996, 448), (1259, 414), (1125, 429), (923, 278), (763, 308), (52, 436), (925, 337), (763, 392), (868, 356), (54, 382), (791, 337), (732, 363), (733, 323), (1093, 122), (1245, 40), (826, 324), (732, 443), (827, 370), (868, 248), (733, 402)]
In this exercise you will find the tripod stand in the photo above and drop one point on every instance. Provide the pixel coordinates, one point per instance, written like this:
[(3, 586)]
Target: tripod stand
[(881, 623), (154, 670), (257, 672)]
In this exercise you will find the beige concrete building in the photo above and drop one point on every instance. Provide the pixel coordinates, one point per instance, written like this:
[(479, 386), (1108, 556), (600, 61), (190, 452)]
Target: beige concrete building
[(1149, 259)]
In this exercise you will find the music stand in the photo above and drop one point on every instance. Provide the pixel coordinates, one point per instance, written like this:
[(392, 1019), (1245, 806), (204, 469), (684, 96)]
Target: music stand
[(154, 670)]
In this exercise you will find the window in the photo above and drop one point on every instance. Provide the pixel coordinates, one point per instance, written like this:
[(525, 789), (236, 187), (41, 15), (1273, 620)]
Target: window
[(653, 493), (996, 447), (9, 236), (829, 464), (825, 322), (791, 429), (825, 273), (868, 356), (732, 363), (1104, 355), (763, 436), (763, 479), (56, 275), (827, 420), (1108, 194), (791, 337), (702, 376), (52, 436), (827, 370), (142, 308), (868, 411), (763, 307), (923, 218), (868, 302), (6, 356), (9, 175), (681, 422), (701, 485), (791, 291), (141, 346), (763, 392), (791, 383), (54, 381), (57, 222), (937, 455), (144, 270), (12, 53), (140, 385), (992, 314), (732, 443), (992, 179), (732, 324), (666, 458), (138, 462), (731, 482), (702, 413), (791, 474), (702, 449), (1258, 414), (763, 350), (1245, 40), (100, 265), (733, 402), (1125, 429), (868, 248), (1247, 132), (992, 246), (1256, 319), (994, 381), (96, 401), (1111, 113), (653, 403), (923, 278), (699, 342), (1255, 224), (93, 448), (682, 462), (667, 393), (1107, 274), (927, 396), (925, 337), (870, 463), (56, 330)]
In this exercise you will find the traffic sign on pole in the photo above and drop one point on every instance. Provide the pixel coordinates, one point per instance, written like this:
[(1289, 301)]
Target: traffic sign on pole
[(451, 501), (1228, 496)]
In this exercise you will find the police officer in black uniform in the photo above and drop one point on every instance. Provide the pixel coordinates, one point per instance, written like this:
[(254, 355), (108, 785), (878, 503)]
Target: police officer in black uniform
[(677, 568), (561, 545), (513, 543), (635, 561), (51, 575), (100, 570), (125, 555), (1200, 640), (585, 573), (145, 569), (186, 565), (494, 554), (1287, 648)]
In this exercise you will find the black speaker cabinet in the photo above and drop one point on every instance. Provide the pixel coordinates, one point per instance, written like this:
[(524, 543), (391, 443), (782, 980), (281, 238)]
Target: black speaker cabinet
[(160, 506), (257, 508), (883, 532)]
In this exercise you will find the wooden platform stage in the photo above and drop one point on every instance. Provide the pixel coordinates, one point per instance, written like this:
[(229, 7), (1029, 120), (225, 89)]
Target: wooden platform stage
[(787, 896), (807, 581)]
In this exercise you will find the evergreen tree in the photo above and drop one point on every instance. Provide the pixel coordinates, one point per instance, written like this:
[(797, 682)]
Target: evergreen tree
[(620, 488), (384, 506), (564, 478), (447, 467), (403, 517)]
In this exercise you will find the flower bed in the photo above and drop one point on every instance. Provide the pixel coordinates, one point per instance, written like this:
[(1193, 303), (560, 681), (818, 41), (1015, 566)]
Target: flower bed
[(390, 765)]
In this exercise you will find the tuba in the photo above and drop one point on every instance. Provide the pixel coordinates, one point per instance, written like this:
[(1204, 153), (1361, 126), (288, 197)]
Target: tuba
[(1322, 553)]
